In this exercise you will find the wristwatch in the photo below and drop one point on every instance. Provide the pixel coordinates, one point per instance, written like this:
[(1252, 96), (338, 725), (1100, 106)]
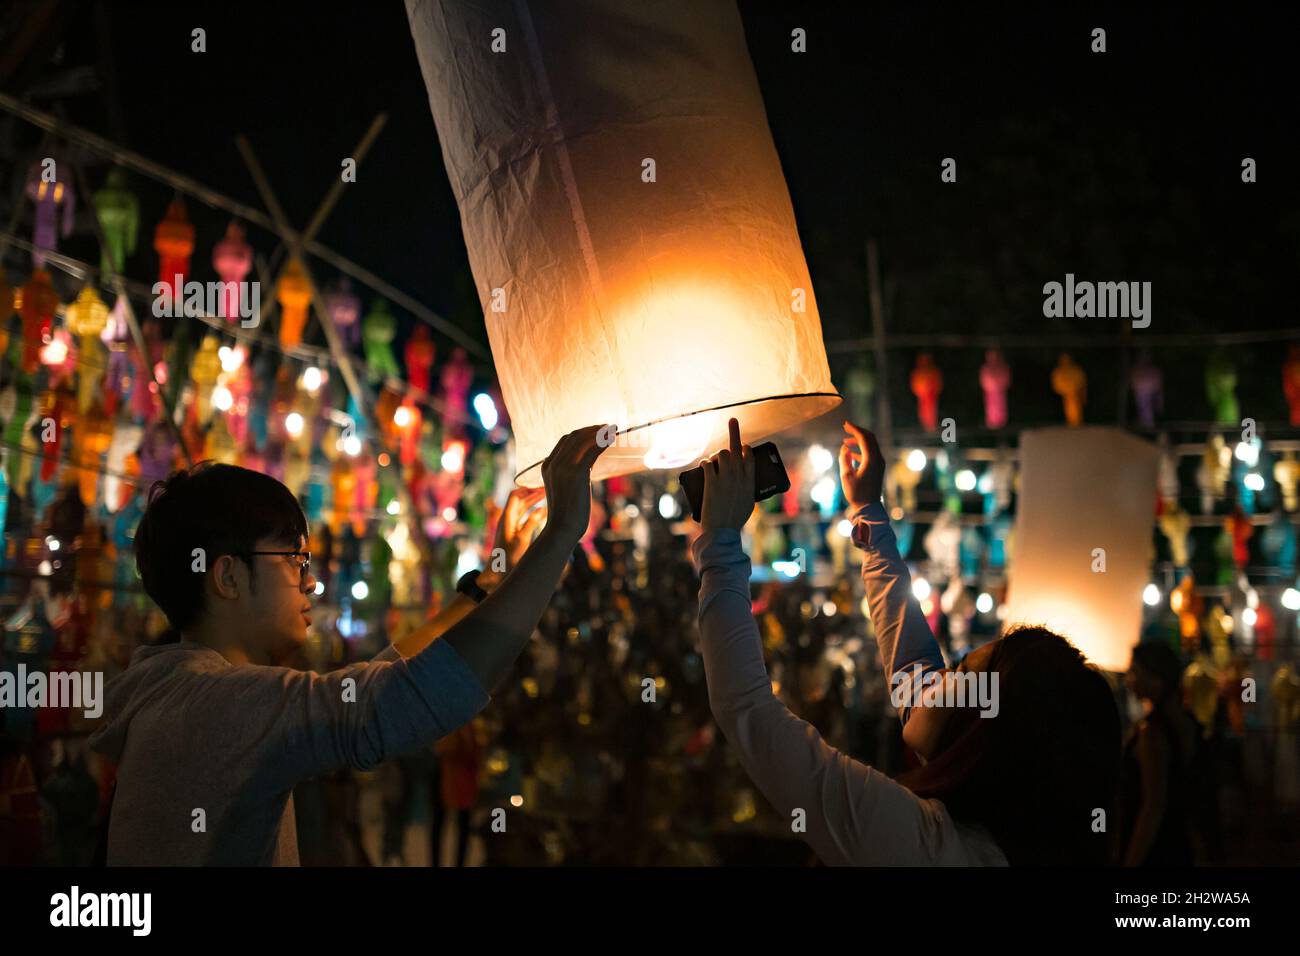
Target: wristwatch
[(468, 586)]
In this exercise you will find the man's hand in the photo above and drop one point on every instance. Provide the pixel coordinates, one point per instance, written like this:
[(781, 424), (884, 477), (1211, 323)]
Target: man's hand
[(566, 473), (728, 485), (862, 467)]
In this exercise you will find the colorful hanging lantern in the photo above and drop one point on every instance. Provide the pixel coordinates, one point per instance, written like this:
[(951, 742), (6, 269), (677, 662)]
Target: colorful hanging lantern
[(1238, 525), (344, 310), (377, 329), (294, 296), (1148, 390), (420, 351), (173, 240), (232, 257), (87, 318), (50, 198), (995, 379), (457, 376), (1291, 382), (1221, 389), (1175, 525), (1286, 472), (1213, 472), (1071, 383), (860, 391), (927, 384), (91, 438), (119, 217), (634, 224), (39, 304), (205, 371)]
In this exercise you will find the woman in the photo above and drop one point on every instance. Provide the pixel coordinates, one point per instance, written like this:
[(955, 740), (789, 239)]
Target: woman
[(1158, 759), (1030, 783)]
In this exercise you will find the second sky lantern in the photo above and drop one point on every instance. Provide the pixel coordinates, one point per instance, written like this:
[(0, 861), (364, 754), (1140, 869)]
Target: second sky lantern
[(628, 224)]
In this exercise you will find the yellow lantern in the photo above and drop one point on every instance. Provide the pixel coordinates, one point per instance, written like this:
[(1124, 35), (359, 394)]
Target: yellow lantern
[(87, 317), (628, 225), (205, 371), (1083, 537)]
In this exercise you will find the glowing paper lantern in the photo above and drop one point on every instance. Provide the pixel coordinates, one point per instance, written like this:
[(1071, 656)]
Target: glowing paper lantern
[(628, 225), (232, 257), (50, 196), (173, 240), (39, 302), (1086, 504), (294, 295), (1071, 383), (119, 215), (87, 318), (345, 310), (378, 328)]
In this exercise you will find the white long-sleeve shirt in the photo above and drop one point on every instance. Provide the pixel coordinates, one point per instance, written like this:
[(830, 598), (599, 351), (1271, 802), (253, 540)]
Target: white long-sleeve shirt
[(854, 815)]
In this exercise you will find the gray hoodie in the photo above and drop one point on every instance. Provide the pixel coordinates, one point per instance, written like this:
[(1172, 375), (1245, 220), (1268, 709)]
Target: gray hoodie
[(189, 732)]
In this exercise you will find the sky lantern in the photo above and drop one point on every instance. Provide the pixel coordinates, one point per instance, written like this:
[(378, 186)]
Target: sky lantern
[(232, 257), (628, 225), (294, 296), (1083, 538), (173, 240)]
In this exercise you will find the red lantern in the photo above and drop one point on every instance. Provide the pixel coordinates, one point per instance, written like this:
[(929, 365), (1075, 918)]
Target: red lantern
[(420, 351), (39, 302), (173, 240), (927, 383)]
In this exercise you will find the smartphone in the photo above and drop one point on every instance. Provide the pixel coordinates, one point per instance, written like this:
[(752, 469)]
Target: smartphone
[(770, 478)]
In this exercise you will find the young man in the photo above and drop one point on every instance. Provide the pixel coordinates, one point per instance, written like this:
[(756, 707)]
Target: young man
[(209, 738)]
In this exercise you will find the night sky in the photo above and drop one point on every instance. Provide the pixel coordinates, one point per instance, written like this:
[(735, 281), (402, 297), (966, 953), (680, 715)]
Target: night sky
[(1116, 166)]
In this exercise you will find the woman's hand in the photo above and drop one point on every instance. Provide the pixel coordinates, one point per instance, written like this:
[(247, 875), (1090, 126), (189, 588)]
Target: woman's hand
[(728, 485), (517, 525), (566, 473), (862, 467)]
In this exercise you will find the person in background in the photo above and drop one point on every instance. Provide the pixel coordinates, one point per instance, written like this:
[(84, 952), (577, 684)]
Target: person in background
[(460, 754), (1023, 786), (1157, 783), (210, 737)]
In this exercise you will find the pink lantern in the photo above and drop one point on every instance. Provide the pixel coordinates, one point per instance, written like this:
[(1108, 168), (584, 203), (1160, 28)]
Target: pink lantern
[(232, 257), (995, 379)]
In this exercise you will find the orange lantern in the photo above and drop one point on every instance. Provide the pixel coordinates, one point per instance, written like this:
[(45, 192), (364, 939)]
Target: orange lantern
[(294, 295), (628, 226), (90, 440)]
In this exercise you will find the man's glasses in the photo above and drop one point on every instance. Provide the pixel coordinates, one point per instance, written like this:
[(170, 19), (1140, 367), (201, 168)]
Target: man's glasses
[(303, 561)]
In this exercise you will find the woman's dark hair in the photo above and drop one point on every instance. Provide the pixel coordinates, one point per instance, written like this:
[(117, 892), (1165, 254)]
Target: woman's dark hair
[(222, 509), (1034, 775)]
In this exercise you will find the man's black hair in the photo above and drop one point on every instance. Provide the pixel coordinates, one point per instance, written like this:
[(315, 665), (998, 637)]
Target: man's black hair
[(222, 509)]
